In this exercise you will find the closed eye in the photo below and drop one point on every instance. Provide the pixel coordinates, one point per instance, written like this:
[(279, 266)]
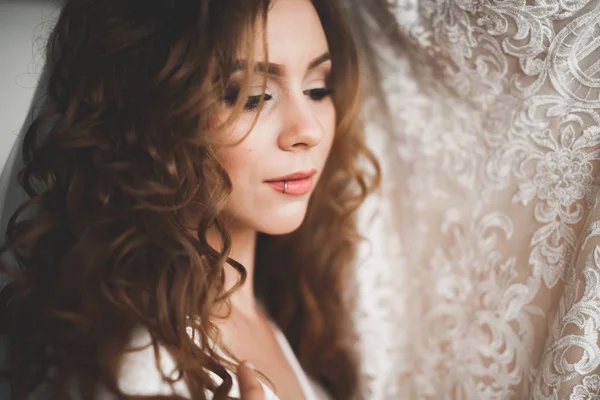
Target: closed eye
[(252, 102), (318, 94)]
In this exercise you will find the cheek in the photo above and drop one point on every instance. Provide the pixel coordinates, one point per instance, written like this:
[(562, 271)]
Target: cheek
[(237, 149), (237, 161), (329, 122)]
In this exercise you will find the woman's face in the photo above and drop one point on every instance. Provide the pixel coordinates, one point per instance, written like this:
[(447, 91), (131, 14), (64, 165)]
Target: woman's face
[(294, 131)]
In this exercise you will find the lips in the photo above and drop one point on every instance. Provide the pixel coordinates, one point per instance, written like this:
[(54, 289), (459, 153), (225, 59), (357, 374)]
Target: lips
[(297, 183)]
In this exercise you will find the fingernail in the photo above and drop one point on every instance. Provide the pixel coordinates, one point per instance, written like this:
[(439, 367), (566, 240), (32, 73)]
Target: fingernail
[(249, 365)]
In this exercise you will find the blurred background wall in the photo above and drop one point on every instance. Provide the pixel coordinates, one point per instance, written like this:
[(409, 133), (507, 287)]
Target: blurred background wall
[(24, 28)]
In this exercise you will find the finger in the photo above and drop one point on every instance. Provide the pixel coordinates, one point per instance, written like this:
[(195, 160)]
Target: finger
[(250, 387)]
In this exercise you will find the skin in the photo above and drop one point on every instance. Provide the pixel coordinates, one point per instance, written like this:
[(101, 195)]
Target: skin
[(294, 132), (250, 388)]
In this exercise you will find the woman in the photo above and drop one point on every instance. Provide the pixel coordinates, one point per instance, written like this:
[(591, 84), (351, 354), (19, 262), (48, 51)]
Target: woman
[(192, 204)]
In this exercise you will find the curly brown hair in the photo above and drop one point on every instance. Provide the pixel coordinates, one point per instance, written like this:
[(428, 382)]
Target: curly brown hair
[(103, 245)]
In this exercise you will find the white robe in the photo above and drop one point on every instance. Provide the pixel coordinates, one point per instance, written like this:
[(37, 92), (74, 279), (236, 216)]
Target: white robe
[(140, 376)]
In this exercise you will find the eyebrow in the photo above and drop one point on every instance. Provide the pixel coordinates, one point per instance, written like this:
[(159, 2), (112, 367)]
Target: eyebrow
[(278, 69)]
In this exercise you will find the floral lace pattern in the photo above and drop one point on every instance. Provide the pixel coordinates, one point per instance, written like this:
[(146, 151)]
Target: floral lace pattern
[(589, 390), (482, 280)]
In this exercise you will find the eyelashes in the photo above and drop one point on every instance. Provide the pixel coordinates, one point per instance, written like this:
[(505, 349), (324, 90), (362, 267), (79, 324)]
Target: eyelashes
[(319, 93), (253, 102)]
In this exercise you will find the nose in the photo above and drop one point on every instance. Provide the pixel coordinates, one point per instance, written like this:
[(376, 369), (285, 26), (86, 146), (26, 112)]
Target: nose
[(302, 128)]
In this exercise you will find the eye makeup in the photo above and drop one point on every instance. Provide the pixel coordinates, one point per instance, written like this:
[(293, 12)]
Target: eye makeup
[(253, 102)]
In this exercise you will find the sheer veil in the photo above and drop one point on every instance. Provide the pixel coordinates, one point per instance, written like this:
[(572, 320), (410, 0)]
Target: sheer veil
[(487, 284)]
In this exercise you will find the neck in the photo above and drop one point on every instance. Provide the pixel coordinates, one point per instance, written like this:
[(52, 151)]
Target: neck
[(243, 245)]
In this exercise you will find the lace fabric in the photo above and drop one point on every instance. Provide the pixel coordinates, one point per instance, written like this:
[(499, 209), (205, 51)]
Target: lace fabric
[(482, 276)]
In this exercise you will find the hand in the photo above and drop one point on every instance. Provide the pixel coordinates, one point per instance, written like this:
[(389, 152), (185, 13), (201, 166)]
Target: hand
[(250, 387)]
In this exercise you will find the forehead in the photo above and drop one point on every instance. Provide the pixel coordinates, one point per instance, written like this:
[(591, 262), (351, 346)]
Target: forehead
[(294, 34)]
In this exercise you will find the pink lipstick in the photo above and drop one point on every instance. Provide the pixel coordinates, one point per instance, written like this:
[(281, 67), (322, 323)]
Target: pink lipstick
[(293, 184)]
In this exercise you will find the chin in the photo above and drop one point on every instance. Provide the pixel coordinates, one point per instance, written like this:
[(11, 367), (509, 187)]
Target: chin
[(281, 223), (281, 227)]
